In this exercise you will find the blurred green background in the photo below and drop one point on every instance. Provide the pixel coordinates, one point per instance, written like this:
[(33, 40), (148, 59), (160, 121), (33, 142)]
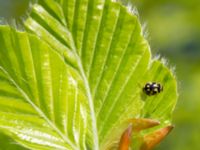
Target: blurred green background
[(174, 33)]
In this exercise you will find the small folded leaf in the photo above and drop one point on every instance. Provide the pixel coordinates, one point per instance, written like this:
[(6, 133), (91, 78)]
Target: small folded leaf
[(143, 123), (153, 139), (126, 139), (136, 125)]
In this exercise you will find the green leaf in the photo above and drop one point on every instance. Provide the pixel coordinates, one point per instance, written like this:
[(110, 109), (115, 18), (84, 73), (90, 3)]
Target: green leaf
[(42, 100), (107, 62), (160, 107), (8, 144)]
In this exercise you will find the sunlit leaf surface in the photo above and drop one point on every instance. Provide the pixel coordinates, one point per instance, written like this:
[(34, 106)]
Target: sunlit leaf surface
[(42, 104), (76, 89)]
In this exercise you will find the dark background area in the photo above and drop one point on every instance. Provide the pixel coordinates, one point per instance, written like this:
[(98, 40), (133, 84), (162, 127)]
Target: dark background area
[(13, 8), (174, 33)]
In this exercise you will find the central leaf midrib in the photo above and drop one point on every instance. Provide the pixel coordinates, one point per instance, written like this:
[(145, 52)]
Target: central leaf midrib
[(83, 72), (87, 89), (90, 99)]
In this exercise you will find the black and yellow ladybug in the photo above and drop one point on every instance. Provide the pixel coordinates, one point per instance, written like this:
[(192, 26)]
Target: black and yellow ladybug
[(152, 88)]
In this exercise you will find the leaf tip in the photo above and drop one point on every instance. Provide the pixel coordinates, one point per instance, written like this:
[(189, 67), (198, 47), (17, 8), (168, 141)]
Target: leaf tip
[(126, 138), (143, 123), (153, 139)]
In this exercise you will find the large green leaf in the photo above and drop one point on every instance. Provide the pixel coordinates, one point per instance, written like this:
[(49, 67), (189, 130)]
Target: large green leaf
[(107, 64), (42, 100)]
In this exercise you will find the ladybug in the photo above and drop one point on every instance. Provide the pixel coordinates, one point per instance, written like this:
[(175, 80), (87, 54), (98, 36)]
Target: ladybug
[(152, 88)]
